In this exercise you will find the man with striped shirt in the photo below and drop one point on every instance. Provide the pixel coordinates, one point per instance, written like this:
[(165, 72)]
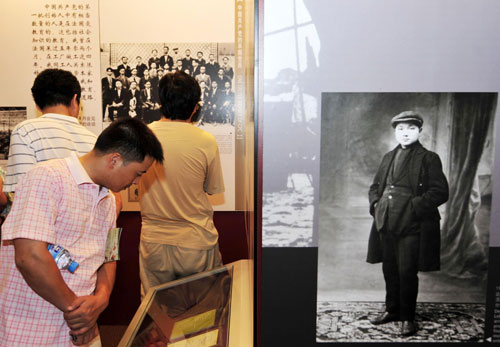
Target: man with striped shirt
[(56, 133)]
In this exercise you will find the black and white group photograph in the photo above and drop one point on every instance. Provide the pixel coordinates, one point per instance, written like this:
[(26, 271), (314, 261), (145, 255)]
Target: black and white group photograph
[(133, 70), (131, 73), (406, 184)]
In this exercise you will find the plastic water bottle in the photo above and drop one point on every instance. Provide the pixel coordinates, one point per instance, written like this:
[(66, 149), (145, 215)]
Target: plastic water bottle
[(62, 258)]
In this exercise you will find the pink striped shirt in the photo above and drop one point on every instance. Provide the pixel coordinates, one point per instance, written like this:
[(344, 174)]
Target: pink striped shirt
[(56, 202)]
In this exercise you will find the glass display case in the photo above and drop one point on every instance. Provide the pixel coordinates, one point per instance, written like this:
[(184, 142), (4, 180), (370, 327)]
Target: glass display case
[(205, 309)]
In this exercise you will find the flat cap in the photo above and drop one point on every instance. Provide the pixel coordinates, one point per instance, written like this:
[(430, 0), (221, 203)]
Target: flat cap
[(407, 117)]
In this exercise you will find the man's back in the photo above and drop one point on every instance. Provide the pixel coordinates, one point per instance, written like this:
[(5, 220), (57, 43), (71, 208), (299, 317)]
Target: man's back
[(47, 137), (174, 205)]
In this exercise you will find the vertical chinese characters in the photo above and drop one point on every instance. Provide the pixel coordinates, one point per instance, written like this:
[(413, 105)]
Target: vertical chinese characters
[(62, 38)]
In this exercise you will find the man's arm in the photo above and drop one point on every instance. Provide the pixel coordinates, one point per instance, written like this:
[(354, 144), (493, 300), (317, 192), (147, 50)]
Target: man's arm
[(21, 158), (436, 190), (3, 196), (214, 181), (373, 192), (83, 312), (41, 273)]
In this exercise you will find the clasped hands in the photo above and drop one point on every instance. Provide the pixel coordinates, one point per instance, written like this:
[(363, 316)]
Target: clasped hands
[(81, 317)]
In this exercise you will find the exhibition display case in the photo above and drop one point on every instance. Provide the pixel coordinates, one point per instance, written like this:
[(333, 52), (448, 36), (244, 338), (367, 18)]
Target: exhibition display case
[(206, 309)]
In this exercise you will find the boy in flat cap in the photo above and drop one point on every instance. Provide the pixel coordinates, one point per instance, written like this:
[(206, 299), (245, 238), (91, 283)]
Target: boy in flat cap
[(405, 235)]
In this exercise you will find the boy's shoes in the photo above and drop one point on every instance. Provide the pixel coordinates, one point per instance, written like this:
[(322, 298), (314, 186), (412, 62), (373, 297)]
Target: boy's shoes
[(408, 328), (385, 317)]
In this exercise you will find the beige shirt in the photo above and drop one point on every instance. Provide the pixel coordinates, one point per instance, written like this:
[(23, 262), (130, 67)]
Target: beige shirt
[(174, 205)]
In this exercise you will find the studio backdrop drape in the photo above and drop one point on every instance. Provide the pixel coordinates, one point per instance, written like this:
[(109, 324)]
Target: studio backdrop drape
[(462, 252)]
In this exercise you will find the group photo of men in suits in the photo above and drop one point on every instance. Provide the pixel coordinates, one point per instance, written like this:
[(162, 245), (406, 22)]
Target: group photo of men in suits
[(131, 89)]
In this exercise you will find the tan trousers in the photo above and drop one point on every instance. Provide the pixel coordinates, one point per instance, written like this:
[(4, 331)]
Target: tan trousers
[(160, 263)]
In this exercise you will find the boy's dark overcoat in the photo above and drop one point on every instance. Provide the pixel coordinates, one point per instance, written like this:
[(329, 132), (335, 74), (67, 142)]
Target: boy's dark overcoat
[(430, 189)]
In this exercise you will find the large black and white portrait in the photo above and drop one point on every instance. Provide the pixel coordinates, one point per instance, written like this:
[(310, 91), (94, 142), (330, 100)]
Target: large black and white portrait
[(356, 132)]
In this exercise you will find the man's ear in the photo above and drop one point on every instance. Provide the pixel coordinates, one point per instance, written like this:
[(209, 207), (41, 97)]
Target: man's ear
[(75, 106), (195, 115), (113, 159), (38, 110)]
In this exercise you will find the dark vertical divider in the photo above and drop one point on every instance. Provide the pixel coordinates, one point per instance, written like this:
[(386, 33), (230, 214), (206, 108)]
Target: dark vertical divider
[(288, 311)]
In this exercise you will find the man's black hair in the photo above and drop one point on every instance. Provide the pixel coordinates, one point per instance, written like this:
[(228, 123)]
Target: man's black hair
[(55, 87), (179, 94), (132, 139)]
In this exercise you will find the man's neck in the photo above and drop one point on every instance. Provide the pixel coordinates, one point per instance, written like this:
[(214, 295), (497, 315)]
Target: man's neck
[(409, 146), (59, 109), (90, 163), (163, 119)]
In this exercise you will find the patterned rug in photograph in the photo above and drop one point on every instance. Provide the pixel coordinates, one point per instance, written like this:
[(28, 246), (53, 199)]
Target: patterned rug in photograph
[(437, 322)]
